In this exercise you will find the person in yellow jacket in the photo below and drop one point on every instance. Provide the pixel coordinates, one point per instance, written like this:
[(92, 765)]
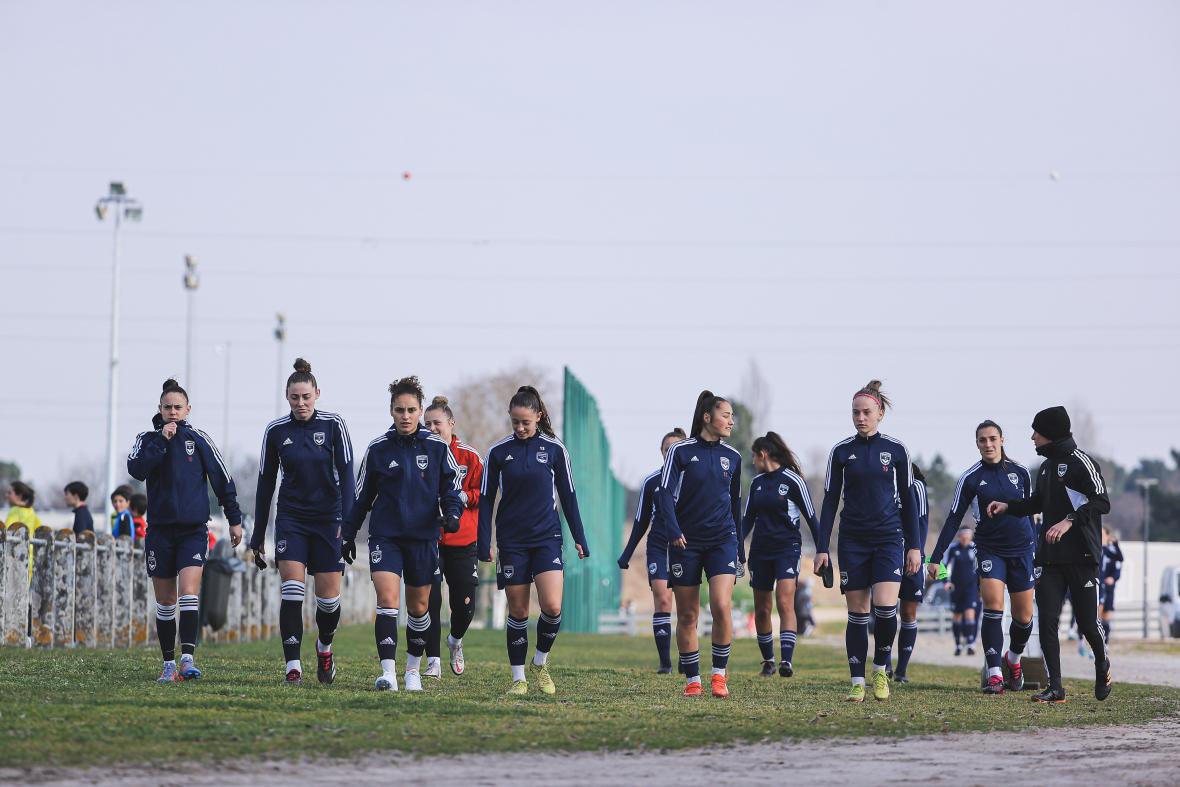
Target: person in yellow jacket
[(20, 510)]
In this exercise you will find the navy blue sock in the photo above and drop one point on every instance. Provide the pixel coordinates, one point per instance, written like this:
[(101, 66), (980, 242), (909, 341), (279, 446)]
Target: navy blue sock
[(720, 656), (786, 641), (291, 618), (766, 645), (993, 637), (884, 632), (1018, 634), (166, 630), (385, 632), (690, 664), (416, 629), (327, 617), (907, 637), (856, 643), (970, 629), (190, 606), (547, 628), (517, 633), (661, 627), (957, 628)]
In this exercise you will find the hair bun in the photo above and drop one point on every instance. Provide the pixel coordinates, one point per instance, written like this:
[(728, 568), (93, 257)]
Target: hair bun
[(302, 366), (874, 386), (170, 384), (439, 401)]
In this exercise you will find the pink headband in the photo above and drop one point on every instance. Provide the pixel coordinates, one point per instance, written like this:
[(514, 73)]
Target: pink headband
[(871, 395)]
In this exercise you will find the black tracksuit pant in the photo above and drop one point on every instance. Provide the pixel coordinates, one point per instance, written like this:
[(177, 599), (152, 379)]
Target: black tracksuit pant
[(1081, 580)]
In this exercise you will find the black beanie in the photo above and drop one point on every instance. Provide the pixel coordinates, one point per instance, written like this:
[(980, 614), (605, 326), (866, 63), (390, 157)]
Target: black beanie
[(1052, 422)]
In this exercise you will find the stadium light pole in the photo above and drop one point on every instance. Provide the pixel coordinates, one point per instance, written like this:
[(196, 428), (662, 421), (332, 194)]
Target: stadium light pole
[(119, 206), (1146, 484), (191, 280), (280, 339)]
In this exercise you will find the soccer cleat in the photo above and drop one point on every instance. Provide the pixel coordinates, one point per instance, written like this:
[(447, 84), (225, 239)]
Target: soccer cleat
[(294, 678), (889, 671), (457, 665), (719, 686), (880, 685), (692, 688), (665, 669), (958, 650), (995, 685), (544, 679), (170, 674), (1050, 695), (519, 688), (1102, 683), (325, 668), (1015, 674), (387, 682), (970, 650), (433, 669), (856, 693), (900, 677), (785, 669), (413, 680), (188, 670), (767, 669)]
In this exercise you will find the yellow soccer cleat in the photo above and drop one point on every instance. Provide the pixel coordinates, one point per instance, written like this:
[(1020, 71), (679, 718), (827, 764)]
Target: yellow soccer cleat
[(544, 679), (856, 694), (880, 684), (519, 688)]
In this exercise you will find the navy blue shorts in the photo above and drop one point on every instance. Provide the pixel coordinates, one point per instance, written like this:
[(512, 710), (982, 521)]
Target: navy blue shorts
[(518, 565), (913, 586), (1015, 572), (657, 564), (414, 560), (765, 571), (863, 564), (316, 546), (963, 599), (686, 565), (1107, 597), (167, 549)]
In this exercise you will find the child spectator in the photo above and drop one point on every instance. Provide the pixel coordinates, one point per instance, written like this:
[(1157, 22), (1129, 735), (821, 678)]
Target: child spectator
[(20, 510), (76, 493), (139, 515), (122, 523)]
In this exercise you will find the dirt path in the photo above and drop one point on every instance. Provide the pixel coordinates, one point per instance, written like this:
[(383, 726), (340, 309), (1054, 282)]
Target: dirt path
[(1144, 755)]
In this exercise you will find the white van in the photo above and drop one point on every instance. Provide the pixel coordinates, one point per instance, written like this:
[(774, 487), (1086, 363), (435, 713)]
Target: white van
[(1170, 602)]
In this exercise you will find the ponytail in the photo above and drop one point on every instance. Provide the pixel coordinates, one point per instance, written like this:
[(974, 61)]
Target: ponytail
[(872, 389), (917, 473), (706, 403), (527, 396), (776, 448), (678, 433)]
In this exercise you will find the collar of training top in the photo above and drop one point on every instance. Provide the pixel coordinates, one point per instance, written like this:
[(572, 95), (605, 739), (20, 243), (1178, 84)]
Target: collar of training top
[(867, 438), (404, 439), (158, 422), (1065, 445), (709, 443), (314, 415)]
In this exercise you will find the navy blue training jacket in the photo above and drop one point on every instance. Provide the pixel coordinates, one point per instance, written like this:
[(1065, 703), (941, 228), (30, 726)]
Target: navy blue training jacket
[(773, 507), (960, 562), (983, 483), (177, 471), (873, 476), (700, 493), (645, 518)]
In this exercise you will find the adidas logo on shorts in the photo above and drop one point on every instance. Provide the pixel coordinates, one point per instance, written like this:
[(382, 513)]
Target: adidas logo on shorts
[(198, 556), (557, 561), (897, 571)]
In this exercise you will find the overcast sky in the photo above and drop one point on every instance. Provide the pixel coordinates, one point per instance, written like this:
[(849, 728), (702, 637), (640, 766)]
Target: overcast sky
[(978, 206)]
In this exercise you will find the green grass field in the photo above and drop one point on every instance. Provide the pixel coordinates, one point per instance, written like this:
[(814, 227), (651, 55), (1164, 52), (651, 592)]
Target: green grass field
[(89, 707)]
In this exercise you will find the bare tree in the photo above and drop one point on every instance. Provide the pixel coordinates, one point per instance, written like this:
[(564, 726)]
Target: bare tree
[(481, 403)]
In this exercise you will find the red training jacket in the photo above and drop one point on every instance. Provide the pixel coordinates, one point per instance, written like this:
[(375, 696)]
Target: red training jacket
[(471, 472)]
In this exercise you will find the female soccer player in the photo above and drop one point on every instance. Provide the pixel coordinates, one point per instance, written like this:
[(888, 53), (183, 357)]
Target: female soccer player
[(699, 506), (315, 453), (963, 585), (878, 534), (530, 470), (1003, 553), (778, 497), (912, 585), (406, 477), (1110, 572), (177, 460), (456, 551), (657, 557)]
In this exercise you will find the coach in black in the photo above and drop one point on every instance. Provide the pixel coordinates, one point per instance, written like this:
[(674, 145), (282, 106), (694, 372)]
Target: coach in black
[(1071, 496)]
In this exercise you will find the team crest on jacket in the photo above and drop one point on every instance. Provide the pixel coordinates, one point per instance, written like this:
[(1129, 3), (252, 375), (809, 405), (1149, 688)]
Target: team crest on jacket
[(543, 457), (1061, 470), (725, 463), (319, 438), (281, 546), (423, 460), (190, 447), (1015, 479), (783, 489), (375, 556), (886, 457)]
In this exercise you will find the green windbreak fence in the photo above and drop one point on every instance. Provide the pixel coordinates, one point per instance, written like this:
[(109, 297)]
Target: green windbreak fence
[(591, 585)]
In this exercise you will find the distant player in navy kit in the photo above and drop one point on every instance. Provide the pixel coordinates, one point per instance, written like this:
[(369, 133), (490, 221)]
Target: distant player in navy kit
[(407, 476), (1110, 571), (179, 462), (314, 451), (1071, 495), (963, 585), (913, 586), (1004, 554), (698, 504), (778, 499), (657, 556), (879, 540), (530, 472)]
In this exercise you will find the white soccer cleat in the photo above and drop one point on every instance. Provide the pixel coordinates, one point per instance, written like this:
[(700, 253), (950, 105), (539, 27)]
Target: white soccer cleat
[(433, 668), (457, 665), (387, 682), (413, 680)]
